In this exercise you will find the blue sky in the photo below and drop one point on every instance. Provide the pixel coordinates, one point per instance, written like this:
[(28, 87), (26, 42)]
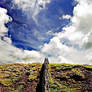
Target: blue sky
[(31, 30), (22, 29)]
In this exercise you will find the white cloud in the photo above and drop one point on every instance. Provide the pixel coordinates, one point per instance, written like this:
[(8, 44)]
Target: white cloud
[(33, 7), (74, 43), (25, 4), (33, 56), (4, 18), (29, 4), (66, 16), (61, 53), (9, 53)]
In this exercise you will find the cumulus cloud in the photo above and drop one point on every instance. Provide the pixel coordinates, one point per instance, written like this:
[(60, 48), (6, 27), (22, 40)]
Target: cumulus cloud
[(74, 43), (4, 18), (9, 53)]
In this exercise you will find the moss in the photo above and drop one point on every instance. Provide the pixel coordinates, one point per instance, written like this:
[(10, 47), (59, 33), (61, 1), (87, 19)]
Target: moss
[(6, 82), (55, 86), (87, 66), (34, 70), (9, 73), (79, 73), (61, 66), (62, 78), (32, 77), (18, 89)]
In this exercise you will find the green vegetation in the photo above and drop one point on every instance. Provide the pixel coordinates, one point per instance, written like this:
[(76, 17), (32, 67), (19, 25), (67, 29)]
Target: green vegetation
[(66, 77), (10, 73), (13, 76), (62, 77)]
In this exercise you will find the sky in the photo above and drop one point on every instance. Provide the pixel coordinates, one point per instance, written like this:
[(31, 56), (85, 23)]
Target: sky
[(31, 30)]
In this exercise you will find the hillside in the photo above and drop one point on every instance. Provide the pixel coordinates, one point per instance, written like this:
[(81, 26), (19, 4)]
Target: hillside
[(62, 77), (70, 78)]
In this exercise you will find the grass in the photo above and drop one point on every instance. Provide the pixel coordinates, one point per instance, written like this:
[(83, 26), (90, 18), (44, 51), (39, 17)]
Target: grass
[(62, 77)]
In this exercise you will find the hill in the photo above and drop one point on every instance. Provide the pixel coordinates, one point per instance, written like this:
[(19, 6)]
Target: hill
[(62, 77)]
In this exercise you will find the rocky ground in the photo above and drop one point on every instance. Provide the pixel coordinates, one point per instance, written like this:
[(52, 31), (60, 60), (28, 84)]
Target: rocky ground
[(62, 77)]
